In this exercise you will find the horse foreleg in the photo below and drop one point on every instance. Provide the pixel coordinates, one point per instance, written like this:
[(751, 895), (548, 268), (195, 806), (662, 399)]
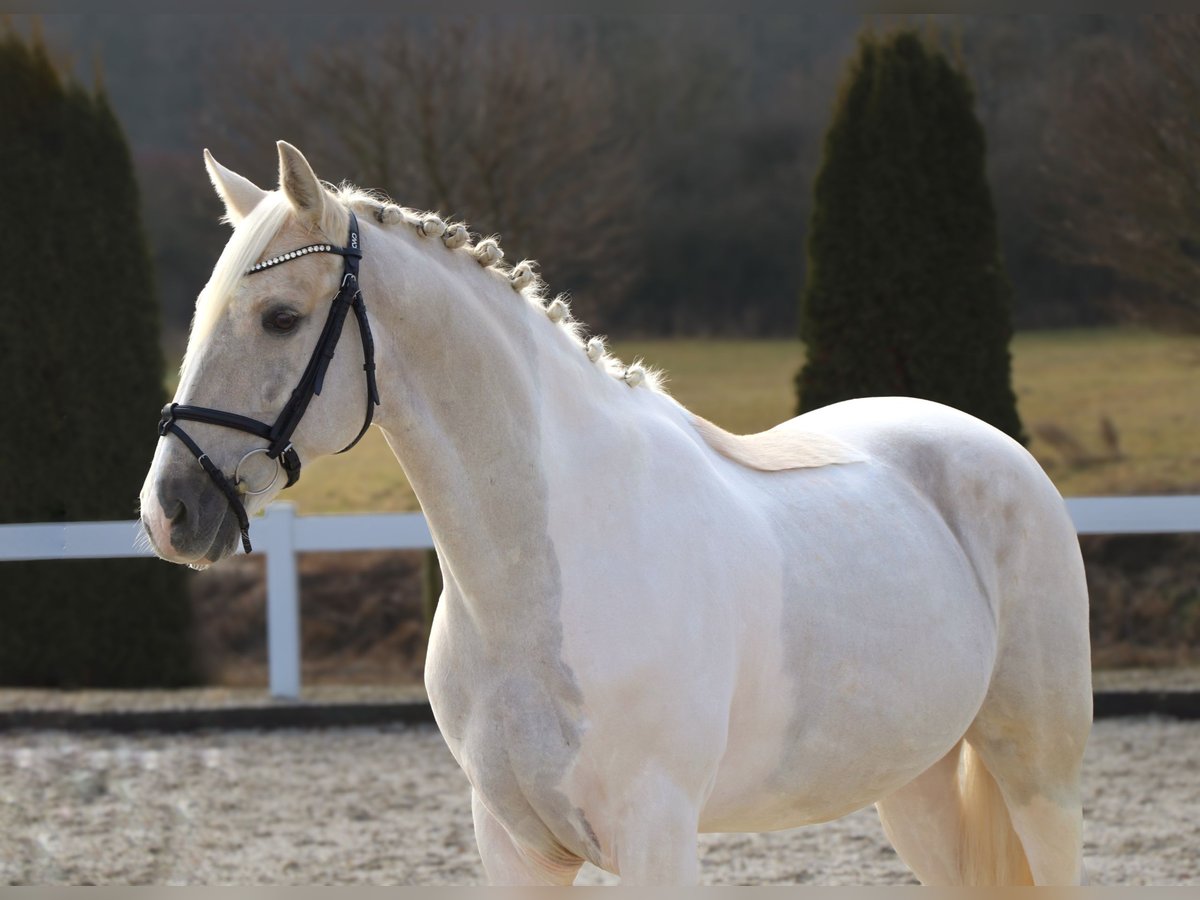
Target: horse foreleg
[(656, 837), (507, 863)]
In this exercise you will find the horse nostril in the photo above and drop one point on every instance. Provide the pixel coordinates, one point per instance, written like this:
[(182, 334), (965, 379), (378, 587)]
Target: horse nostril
[(175, 512)]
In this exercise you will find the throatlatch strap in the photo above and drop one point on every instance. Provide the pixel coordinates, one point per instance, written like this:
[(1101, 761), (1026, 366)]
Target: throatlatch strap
[(368, 342)]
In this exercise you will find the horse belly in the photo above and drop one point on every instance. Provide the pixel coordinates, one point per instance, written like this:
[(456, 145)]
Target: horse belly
[(876, 665)]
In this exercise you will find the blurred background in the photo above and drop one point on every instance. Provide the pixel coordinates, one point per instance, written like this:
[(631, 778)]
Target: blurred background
[(661, 169)]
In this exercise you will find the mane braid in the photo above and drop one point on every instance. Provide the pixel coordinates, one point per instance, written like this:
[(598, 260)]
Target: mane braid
[(522, 278)]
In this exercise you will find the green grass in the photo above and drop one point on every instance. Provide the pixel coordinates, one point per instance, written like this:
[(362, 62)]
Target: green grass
[(1147, 384)]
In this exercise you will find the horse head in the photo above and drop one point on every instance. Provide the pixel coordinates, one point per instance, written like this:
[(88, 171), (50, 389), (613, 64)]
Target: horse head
[(260, 389)]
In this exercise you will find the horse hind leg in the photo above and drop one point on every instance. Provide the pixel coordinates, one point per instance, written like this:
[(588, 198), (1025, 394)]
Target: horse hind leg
[(1033, 726), (1037, 772), (950, 825), (1005, 806), (923, 821)]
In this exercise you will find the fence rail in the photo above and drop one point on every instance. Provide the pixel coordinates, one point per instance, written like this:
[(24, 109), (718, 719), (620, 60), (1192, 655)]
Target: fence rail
[(281, 534)]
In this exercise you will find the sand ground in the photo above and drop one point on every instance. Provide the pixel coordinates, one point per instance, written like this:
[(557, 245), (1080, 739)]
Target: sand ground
[(389, 806)]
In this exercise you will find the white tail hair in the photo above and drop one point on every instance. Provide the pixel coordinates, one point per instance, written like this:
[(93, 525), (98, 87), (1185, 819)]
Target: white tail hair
[(990, 852)]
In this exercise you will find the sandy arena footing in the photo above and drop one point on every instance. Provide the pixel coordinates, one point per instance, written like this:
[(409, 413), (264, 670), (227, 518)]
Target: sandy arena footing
[(389, 806)]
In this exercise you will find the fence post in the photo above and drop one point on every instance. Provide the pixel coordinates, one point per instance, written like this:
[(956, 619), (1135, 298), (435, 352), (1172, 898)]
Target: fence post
[(283, 601)]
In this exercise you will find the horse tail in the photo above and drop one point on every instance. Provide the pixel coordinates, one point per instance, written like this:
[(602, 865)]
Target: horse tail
[(990, 850)]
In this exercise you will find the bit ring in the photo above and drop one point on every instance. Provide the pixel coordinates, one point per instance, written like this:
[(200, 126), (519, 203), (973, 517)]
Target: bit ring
[(237, 479)]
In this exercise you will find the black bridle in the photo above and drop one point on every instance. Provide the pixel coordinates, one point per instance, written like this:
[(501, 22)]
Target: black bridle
[(279, 435)]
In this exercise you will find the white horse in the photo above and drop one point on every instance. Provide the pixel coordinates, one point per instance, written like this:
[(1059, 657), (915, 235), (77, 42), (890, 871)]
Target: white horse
[(651, 627)]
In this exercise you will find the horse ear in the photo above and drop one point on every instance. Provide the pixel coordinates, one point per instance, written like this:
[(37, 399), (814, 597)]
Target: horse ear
[(240, 195), (299, 183)]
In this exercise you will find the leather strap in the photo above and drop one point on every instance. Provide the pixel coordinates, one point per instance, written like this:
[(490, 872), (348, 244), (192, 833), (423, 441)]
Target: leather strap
[(368, 342), (218, 477), (288, 458), (213, 416)]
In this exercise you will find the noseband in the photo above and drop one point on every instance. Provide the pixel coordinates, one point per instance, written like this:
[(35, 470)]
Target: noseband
[(279, 435)]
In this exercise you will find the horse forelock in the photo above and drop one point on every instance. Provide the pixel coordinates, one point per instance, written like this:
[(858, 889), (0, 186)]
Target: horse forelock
[(250, 238)]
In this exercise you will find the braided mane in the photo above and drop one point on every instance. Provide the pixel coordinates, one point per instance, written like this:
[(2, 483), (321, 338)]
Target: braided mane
[(522, 276), (785, 447), (255, 232)]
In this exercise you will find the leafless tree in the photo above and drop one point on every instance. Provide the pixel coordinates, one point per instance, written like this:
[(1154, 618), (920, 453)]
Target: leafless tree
[(1124, 160), (512, 127)]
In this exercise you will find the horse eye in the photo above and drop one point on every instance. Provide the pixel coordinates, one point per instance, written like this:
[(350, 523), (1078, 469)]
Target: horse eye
[(280, 321)]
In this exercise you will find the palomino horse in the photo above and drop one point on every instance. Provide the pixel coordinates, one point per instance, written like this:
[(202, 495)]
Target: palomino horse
[(652, 627)]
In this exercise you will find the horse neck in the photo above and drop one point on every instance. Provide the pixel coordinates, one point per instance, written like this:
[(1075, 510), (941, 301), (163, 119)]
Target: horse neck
[(482, 400)]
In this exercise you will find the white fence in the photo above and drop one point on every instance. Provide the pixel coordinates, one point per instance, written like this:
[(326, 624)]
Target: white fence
[(281, 534)]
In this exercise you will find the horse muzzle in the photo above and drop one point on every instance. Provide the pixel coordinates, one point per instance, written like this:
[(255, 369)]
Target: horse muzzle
[(188, 521)]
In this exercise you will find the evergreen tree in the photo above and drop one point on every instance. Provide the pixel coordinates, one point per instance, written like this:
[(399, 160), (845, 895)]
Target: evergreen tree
[(82, 370), (906, 293)]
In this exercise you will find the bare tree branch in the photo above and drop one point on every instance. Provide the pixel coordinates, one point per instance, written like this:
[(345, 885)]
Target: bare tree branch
[(514, 127), (1125, 161)]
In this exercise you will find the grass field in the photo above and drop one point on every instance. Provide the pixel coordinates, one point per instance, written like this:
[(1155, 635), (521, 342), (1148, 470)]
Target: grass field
[(1147, 385)]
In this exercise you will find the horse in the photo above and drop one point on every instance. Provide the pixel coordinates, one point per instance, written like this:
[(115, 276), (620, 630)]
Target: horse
[(651, 627)]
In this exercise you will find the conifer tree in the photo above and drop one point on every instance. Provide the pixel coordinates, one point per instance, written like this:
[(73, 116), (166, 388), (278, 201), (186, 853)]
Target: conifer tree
[(906, 293), (82, 373)]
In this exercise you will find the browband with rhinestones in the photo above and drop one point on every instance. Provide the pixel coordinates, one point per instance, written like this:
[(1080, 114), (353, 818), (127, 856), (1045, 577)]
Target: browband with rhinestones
[(284, 257)]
